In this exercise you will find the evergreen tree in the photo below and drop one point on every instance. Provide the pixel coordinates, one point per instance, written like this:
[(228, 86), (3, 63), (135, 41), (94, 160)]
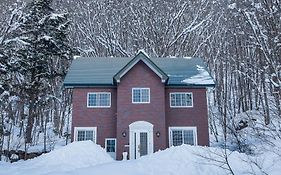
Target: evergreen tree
[(39, 53)]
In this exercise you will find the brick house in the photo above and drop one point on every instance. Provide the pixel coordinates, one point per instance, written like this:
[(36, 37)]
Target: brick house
[(139, 105)]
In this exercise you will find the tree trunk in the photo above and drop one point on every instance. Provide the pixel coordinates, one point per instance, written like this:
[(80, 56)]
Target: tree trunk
[(30, 121), (266, 110)]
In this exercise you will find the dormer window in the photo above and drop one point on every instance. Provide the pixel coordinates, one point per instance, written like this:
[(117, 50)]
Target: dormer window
[(141, 95)]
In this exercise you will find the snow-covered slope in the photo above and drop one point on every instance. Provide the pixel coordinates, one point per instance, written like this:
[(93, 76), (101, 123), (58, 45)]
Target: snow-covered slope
[(82, 158), (73, 156), (183, 160)]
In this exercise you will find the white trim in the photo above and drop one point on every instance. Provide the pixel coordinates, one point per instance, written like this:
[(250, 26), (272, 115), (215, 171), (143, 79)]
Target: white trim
[(105, 145), (170, 96), (137, 127), (193, 128), (139, 88), (76, 129), (147, 64), (98, 93)]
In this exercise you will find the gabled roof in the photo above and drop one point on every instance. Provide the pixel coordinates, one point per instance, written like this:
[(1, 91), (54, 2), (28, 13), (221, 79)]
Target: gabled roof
[(106, 71), (141, 56)]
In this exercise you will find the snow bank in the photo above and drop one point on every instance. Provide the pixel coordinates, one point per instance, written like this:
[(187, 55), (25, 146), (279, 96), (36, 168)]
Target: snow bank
[(182, 160), (142, 51), (75, 155), (67, 158), (87, 158)]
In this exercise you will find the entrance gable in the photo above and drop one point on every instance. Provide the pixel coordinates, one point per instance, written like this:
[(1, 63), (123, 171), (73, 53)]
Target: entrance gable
[(141, 56)]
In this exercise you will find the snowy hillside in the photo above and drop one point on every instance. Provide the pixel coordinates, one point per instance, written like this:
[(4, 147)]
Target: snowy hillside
[(89, 158)]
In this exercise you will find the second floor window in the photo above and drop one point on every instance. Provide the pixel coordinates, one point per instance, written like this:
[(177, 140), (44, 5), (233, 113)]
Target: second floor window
[(141, 95), (181, 99), (99, 99)]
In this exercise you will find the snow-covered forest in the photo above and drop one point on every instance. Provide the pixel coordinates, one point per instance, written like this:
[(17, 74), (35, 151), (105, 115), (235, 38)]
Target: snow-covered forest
[(240, 42)]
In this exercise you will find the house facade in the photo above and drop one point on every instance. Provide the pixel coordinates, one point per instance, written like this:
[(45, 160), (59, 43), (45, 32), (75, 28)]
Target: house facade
[(139, 105)]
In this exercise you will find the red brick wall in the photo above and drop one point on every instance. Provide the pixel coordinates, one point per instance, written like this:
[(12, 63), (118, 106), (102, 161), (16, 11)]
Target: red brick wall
[(102, 118), (193, 116), (127, 112), (111, 122)]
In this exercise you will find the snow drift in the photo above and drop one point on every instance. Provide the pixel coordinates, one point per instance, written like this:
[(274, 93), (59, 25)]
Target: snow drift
[(67, 158), (180, 160), (82, 158), (183, 160)]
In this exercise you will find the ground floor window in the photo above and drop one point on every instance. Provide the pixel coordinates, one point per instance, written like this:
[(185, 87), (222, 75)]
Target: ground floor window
[(85, 133), (110, 147), (182, 135)]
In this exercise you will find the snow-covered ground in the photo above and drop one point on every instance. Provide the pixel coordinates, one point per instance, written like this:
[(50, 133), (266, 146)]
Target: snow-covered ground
[(89, 158)]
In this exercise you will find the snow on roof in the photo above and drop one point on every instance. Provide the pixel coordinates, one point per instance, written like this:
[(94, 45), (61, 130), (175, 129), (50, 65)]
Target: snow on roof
[(203, 77), (142, 51), (76, 56)]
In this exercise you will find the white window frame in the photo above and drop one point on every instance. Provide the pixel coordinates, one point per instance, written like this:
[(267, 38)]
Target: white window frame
[(76, 129), (193, 128), (96, 94), (181, 93), (110, 139), (136, 88), (105, 144)]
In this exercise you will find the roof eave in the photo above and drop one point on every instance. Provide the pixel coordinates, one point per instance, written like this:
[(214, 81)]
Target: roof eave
[(82, 85), (190, 85)]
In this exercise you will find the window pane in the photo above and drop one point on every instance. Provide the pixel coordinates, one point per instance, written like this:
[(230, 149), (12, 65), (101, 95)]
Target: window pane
[(104, 100), (178, 99), (144, 95), (177, 137), (80, 136), (183, 100), (136, 95), (110, 146), (188, 137), (173, 101), (188, 99), (89, 135), (92, 101), (143, 144)]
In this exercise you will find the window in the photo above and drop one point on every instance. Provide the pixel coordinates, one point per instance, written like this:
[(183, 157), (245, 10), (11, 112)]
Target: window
[(110, 147), (141, 95), (181, 99), (182, 135), (85, 133), (99, 99)]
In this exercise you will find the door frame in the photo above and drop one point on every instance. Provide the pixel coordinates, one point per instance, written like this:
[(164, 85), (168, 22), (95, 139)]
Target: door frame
[(137, 127)]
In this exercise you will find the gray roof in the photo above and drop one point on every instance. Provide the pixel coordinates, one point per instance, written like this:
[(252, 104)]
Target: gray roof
[(86, 72)]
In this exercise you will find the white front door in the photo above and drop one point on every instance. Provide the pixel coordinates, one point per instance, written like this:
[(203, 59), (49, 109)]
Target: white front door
[(141, 139), (141, 144)]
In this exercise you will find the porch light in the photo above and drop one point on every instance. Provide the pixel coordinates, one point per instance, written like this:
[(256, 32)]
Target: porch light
[(124, 134), (157, 134)]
